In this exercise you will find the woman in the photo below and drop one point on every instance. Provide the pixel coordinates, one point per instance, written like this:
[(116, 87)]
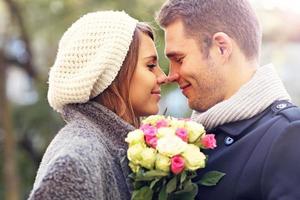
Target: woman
[(104, 78)]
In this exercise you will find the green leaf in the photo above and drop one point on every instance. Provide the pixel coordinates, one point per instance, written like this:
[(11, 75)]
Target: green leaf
[(145, 193), (192, 174), (156, 173), (188, 193), (171, 185), (211, 178), (188, 185), (154, 182), (150, 175), (138, 185), (132, 175), (182, 177), (163, 193), (191, 188)]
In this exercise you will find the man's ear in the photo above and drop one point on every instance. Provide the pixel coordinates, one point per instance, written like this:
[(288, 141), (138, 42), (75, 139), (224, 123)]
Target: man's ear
[(223, 43)]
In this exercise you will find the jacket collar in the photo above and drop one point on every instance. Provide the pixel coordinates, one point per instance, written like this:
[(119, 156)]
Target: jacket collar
[(236, 128), (110, 125)]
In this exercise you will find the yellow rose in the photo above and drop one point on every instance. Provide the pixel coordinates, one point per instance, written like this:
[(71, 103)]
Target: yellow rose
[(134, 153), (170, 145), (135, 137), (148, 158), (176, 123), (134, 168), (165, 132), (162, 163), (194, 158), (152, 119), (195, 130)]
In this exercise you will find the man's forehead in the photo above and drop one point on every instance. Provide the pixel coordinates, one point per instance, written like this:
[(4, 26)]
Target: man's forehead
[(173, 43), (175, 37), (172, 47)]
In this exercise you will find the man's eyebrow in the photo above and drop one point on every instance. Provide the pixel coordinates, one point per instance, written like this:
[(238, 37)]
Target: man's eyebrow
[(173, 54)]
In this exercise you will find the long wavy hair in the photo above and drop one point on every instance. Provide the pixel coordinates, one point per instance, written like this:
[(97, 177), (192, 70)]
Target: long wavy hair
[(116, 96)]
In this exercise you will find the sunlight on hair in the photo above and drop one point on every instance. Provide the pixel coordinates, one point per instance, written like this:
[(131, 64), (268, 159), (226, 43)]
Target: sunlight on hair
[(286, 6)]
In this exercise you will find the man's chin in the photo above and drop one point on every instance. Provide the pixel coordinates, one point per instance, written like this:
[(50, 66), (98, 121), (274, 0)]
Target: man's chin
[(198, 106)]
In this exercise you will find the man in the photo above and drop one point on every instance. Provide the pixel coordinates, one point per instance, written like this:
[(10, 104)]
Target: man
[(213, 47)]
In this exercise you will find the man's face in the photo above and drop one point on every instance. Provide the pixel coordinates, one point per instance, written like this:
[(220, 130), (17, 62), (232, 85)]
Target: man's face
[(201, 79)]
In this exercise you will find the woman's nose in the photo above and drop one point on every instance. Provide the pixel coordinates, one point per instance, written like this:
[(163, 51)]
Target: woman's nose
[(161, 76)]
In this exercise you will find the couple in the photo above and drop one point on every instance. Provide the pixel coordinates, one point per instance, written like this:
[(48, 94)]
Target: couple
[(106, 76)]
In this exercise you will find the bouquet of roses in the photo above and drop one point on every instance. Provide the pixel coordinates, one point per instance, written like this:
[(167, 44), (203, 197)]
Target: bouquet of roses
[(164, 154)]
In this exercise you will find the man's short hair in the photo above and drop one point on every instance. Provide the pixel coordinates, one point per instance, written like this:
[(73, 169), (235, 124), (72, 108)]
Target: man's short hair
[(203, 18)]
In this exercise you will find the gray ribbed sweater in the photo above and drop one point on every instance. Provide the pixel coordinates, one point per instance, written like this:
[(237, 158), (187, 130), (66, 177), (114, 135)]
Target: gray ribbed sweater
[(87, 158), (252, 98)]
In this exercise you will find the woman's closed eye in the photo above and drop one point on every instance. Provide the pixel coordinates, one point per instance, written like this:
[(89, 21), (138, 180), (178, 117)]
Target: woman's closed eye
[(151, 66)]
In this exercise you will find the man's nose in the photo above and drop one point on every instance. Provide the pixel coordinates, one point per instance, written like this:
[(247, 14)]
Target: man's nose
[(173, 75)]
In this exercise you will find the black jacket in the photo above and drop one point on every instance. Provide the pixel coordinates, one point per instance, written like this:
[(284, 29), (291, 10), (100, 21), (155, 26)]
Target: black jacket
[(260, 156)]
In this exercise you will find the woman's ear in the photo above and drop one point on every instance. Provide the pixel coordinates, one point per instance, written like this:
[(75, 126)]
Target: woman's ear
[(223, 43)]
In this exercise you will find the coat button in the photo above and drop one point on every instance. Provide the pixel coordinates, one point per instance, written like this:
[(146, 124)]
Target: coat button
[(228, 141), (281, 106)]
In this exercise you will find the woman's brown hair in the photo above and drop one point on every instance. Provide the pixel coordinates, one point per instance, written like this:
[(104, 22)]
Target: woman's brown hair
[(116, 96)]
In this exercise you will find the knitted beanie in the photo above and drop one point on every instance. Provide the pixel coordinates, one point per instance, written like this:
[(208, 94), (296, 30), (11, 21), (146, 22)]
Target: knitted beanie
[(90, 55)]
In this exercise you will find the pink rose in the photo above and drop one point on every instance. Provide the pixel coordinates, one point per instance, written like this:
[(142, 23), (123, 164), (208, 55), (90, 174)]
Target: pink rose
[(149, 130), (162, 123), (182, 133), (177, 164), (209, 141), (145, 126), (151, 141), (150, 135)]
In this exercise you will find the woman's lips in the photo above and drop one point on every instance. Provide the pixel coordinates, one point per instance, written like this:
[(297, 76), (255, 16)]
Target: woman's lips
[(156, 93)]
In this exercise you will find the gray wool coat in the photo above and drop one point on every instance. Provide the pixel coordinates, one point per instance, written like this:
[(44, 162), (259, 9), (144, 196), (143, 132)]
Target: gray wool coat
[(87, 158)]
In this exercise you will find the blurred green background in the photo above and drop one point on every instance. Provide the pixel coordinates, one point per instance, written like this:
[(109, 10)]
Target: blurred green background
[(29, 35)]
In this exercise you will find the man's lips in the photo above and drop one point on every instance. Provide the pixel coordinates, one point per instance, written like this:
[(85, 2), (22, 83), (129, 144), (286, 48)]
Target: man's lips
[(182, 87)]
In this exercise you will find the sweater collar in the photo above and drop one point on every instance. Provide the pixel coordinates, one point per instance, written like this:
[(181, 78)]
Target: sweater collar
[(111, 125), (253, 98)]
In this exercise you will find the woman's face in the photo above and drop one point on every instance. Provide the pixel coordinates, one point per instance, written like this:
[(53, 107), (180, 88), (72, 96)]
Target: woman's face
[(144, 92)]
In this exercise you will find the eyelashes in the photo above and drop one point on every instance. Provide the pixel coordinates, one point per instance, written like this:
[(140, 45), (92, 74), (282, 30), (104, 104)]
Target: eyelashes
[(151, 66), (179, 60)]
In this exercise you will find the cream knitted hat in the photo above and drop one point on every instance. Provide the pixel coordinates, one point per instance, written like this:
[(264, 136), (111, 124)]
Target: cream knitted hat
[(90, 55)]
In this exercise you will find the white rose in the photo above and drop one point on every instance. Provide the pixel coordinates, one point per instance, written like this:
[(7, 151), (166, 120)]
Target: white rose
[(135, 137), (170, 145), (194, 158), (165, 132), (195, 130)]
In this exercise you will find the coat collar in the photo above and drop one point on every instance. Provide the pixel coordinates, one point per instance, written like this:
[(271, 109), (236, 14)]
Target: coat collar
[(110, 125), (236, 128)]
